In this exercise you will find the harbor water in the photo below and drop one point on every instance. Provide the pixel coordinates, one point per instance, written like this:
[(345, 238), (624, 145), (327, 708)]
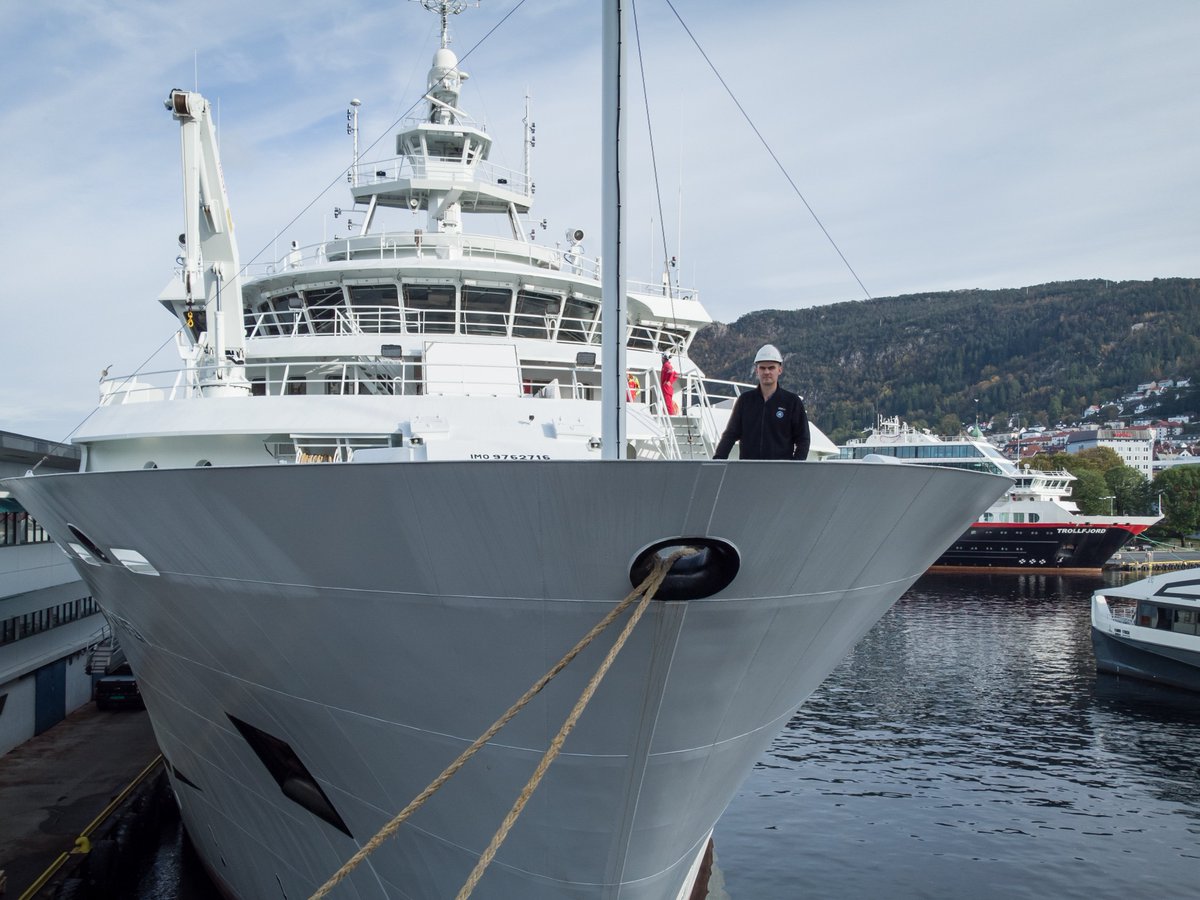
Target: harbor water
[(966, 748)]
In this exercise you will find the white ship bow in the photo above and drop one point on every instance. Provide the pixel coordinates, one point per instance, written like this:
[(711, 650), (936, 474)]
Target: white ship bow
[(370, 510)]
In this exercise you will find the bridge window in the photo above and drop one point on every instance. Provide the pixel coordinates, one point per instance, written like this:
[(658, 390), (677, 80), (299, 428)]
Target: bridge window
[(579, 320), (287, 314), (323, 306), (534, 314), (433, 305), (485, 309), (376, 308)]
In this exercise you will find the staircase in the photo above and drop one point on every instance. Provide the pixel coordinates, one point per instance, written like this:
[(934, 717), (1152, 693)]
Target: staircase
[(689, 438), (102, 648)]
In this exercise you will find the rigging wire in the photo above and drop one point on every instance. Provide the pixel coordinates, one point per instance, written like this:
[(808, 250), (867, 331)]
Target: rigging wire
[(653, 160), (341, 175), (767, 146), (385, 133), (96, 408)]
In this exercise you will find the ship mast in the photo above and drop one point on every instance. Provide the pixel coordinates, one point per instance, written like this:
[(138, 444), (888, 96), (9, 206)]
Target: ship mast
[(612, 284)]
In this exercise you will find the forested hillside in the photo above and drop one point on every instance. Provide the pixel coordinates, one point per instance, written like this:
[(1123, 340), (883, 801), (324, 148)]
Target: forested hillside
[(1044, 353)]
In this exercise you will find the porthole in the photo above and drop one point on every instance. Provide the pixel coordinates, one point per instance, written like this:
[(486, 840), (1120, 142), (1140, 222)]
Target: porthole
[(150, 464)]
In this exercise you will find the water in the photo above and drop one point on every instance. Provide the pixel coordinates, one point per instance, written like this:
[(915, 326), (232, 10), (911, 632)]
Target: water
[(966, 748)]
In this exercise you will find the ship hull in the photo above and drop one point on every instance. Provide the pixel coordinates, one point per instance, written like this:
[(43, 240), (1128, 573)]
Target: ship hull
[(371, 620), (1178, 667), (1063, 548)]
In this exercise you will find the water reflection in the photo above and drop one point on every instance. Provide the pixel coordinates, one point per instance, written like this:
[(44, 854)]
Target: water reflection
[(969, 746)]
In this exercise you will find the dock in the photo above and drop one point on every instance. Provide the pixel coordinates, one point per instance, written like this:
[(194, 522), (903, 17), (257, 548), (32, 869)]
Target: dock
[(1151, 561), (56, 784)]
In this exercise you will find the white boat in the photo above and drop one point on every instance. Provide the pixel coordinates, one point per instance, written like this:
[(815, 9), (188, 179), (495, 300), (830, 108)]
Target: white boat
[(1035, 525), (373, 506), (1150, 629)]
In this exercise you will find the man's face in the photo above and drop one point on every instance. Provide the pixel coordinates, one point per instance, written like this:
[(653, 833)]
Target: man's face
[(768, 373)]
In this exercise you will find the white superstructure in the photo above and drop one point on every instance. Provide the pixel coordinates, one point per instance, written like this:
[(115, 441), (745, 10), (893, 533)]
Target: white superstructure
[(369, 511), (1036, 495)]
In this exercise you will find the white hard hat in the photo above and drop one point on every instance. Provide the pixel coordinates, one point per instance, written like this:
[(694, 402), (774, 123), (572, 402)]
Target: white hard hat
[(768, 353)]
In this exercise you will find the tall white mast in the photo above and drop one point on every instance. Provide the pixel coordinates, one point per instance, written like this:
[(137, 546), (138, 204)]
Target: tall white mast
[(612, 288)]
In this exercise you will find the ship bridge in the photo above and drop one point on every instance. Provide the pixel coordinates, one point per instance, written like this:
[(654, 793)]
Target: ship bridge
[(442, 163)]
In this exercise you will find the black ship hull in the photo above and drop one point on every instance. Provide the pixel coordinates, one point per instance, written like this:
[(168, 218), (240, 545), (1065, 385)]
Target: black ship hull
[(1008, 546)]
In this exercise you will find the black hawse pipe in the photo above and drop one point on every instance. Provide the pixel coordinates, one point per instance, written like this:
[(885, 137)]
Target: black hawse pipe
[(711, 569)]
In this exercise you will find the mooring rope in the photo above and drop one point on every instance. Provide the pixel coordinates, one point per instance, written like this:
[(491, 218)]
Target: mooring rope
[(646, 591)]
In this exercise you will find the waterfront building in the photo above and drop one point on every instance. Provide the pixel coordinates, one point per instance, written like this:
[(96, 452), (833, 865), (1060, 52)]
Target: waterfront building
[(1135, 446), (48, 618)]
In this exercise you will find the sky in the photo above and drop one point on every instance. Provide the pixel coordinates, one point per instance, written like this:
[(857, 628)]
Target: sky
[(807, 152)]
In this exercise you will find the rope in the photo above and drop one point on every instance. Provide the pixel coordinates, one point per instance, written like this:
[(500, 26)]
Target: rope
[(646, 591)]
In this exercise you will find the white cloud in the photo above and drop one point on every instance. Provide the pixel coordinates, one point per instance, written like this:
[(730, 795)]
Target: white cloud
[(942, 144)]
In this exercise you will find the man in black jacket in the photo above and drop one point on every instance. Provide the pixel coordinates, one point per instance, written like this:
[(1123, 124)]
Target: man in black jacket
[(768, 422)]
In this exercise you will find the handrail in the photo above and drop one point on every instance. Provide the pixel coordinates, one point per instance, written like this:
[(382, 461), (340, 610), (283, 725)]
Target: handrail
[(406, 245), (395, 168)]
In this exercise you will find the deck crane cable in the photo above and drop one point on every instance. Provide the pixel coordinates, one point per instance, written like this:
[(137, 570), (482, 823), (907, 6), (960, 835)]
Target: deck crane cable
[(767, 146), (646, 591), (340, 176)]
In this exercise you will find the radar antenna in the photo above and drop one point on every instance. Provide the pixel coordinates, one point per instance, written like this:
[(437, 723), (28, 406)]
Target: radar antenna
[(447, 8)]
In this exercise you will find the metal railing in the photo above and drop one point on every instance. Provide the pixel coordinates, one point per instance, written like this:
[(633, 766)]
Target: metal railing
[(355, 319), (396, 168), (396, 246)]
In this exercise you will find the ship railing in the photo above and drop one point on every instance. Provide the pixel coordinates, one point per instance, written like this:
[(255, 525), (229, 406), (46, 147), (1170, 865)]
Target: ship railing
[(358, 319), (324, 448), (378, 375), (384, 172), (1122, 609), (395, 246), (399, 375)]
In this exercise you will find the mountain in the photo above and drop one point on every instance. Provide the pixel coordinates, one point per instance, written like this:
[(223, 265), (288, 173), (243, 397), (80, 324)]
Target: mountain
[(1042, 353)]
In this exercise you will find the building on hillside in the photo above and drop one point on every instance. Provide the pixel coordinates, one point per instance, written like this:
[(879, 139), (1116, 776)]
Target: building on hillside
[(48, 619), (1166, 429), (1134, 446)]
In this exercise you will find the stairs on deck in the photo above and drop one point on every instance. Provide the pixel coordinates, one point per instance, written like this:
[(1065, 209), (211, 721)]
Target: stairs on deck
[(689, 438)]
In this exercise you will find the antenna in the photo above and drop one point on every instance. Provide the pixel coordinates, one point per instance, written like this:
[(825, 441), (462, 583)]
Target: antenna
[(447, 8), (352, 128)]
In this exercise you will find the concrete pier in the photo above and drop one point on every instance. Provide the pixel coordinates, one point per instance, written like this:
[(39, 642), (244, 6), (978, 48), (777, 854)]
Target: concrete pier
[(53, 786)]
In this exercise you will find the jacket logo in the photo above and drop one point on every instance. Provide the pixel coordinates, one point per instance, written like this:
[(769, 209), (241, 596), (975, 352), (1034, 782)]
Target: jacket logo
[(779, 413)]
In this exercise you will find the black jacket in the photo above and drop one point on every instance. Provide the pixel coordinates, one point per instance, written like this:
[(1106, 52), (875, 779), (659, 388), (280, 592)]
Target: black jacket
[(770, 429)]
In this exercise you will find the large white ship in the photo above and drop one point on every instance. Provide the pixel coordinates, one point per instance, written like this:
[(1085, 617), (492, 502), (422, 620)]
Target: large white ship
[(1035, 525), (376, 502)]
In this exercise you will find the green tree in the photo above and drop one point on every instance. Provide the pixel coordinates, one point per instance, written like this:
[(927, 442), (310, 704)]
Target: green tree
[(1043, 462), (950, 425), (1099, 459), (1180, 487), (1087, 489), (1130, 491)]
